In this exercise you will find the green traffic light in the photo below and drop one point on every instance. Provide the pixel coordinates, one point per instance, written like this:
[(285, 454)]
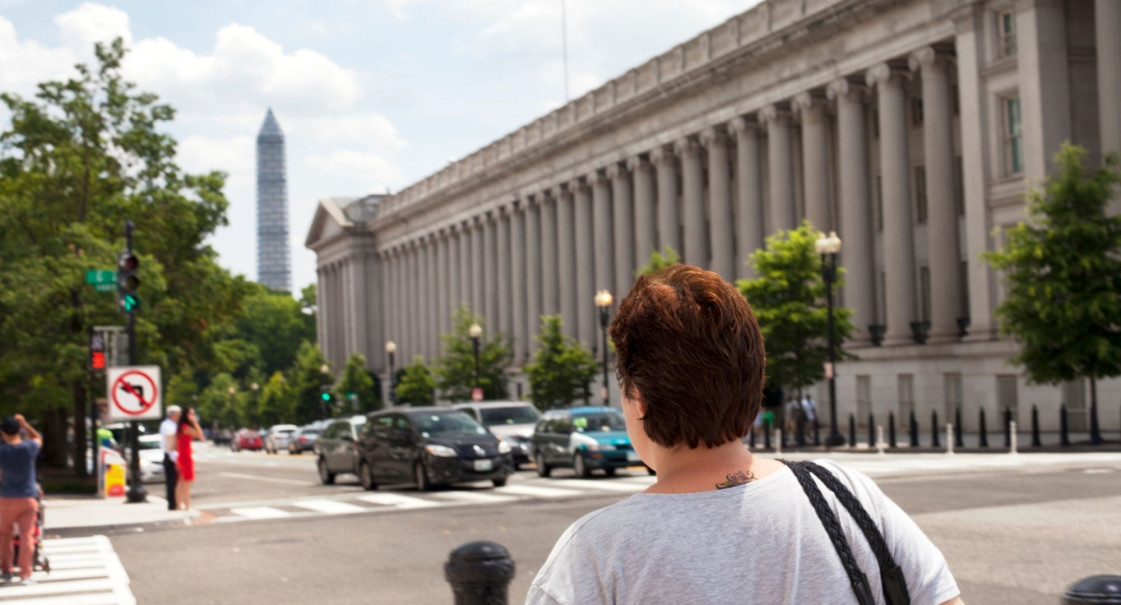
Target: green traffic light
[(326, 396), (131, 303)]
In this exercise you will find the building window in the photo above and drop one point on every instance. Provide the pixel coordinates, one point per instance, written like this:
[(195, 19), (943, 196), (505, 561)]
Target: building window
[(1013, 137), (1006, 34), (879, 193), (920, 194), (924, 292), (916, 111)]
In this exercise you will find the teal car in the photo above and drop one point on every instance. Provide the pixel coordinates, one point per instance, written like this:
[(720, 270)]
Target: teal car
[(583, 438)]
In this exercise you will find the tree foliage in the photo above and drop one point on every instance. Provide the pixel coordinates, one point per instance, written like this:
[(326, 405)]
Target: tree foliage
[(455, 368), (416, 386), (358, 381), (277, 401), (308, 381), (658, 260), (789, 302), (1062, 267), (562, 369)]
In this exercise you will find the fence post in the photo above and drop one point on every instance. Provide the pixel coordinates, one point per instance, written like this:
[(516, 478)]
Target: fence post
[(934, 428), (914, 429), (1064, 436), (984, 432), (480, 573), (959, 439), (1035, 441), (891, 430), (852, 430), (1103, 590)]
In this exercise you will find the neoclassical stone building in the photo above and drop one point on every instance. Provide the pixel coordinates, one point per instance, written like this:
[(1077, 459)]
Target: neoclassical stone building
[(911, 127)]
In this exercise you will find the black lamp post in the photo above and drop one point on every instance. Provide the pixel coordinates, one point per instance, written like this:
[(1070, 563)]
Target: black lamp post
[(390, 350), (475, 331), (603, 301), (828, 246)]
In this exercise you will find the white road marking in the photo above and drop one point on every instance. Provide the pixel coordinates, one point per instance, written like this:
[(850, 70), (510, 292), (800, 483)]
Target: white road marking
[(397, 500), (267, 479), (260, 512), (473, 497), (85, 571), (605, 484), (533, 491), (330, 507)]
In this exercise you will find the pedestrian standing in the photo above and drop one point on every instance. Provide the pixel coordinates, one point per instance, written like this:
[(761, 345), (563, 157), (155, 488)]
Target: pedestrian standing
[(187, 431), (722, 525), (19, 494), (169, 443), (809, 412)]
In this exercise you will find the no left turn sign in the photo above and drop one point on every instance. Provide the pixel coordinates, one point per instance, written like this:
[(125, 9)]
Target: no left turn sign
[(135, 393)]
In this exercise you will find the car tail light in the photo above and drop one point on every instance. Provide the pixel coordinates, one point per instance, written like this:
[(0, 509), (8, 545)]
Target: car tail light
[(303, 439)]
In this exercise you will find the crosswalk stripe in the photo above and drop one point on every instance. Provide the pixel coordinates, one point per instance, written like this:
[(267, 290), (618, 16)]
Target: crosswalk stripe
[(98, 598), (85, 573), (535, 491), (473, 497), (397, 500), (55, 588), (331, 507), (607, 485), (259, 512)]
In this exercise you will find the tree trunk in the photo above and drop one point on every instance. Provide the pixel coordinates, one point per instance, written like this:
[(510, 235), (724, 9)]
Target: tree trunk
[(55, 452), (79, 424)]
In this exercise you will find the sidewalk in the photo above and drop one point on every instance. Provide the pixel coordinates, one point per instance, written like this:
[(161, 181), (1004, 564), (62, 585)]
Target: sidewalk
[(73, 514), (915, 464)]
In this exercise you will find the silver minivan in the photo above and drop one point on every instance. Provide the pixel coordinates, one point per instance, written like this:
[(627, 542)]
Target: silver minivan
[(510, 421)]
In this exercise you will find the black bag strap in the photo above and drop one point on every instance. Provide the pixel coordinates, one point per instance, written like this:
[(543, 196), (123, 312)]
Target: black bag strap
[(836, 535), (893, 583)]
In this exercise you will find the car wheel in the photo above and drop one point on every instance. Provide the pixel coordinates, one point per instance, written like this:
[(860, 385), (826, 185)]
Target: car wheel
[(421, 476), (543, 469), (325, 475), (580, 466), (610, 472), (366, 477), (499, 482)]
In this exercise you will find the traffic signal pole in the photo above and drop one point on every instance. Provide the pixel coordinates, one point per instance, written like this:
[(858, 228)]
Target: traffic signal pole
[(136, 491)]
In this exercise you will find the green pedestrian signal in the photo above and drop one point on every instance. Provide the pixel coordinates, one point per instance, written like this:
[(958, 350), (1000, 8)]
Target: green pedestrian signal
[(128, 281), (326, 396)]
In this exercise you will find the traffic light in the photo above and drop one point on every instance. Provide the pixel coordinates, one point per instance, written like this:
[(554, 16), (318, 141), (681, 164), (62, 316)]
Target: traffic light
[(325, 395), (128, 282)]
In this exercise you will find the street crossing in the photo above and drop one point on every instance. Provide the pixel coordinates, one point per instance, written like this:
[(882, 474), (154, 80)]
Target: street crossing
[(84, 571)]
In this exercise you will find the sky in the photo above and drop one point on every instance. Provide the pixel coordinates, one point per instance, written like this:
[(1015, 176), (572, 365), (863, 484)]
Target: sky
[(372, 95)]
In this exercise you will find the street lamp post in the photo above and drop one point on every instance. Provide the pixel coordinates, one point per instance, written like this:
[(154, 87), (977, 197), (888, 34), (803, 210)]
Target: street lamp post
[(253, 413), (325, 370), (475, 331), (603, 301), (390, 350), (828, 246)]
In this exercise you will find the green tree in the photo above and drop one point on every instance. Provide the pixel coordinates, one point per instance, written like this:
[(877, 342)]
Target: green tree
[(455, 368), (416, 386), (789, 302), (358, 382), (561, 370), (275, 324), (181, 390), (222, 404), (658, 260), (277, 402), (1062, 268), (79, 159), (309, 382)]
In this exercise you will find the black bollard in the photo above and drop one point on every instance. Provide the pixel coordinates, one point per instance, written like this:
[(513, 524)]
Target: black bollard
[(934, 428), (852, 430), (1094, 589), (891, 429), (767, 434), (480, 573), (871, 430), (959, 440), (984, 432), (914, 430), (1064, 436), (817, 435), (1035, 441), (1007, 427)]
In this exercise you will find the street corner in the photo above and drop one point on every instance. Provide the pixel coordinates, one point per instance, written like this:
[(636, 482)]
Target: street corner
[(72, 517)]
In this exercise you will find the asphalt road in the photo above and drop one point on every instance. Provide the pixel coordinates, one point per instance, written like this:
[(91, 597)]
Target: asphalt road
[(1018, 535)]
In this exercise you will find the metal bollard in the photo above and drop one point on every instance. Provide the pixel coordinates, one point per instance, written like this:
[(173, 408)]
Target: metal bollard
[(934, 428), (1007, 432), (871, 431), (1064, 428), (891, 430), (1035, 441), (984, 442), (950, 438), (1014, 437), (959, 439), (480, 573), (1098, 590), (914, 430), (852, 430)]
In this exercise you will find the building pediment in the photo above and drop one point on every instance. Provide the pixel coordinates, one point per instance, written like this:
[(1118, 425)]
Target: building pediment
[(329, 222)]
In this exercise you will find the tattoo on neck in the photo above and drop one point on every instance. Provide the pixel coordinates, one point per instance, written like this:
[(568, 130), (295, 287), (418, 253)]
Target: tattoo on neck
[(737, 478)]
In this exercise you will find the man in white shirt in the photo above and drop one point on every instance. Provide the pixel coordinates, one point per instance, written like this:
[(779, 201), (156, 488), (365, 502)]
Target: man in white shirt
[(168, 429), (809, 410)]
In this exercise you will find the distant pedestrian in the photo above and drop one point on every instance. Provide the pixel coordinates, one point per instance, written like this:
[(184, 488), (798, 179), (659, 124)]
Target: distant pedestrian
[(187, 431), (169, 443), (19, 494), (809, 412), (721, 525)]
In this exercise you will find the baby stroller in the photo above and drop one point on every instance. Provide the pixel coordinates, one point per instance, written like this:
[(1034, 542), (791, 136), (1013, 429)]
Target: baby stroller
[(39, 560)]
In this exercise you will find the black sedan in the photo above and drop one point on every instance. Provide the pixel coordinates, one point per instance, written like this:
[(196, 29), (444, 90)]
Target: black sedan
[(430, 447)]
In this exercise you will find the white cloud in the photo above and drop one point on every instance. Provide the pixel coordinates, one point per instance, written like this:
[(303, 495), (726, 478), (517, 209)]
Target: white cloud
[(373, 171), (24, 64), (91, 23), (370, 128)]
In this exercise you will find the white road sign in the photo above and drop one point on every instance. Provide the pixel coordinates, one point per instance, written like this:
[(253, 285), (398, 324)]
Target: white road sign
[(135, 393)]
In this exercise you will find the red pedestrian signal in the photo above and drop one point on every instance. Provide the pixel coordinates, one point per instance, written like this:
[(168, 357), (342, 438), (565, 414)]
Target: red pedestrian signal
[(97, 360)]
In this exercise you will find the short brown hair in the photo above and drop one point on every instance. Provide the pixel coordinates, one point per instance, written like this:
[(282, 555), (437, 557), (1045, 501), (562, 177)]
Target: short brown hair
[(688, 342)]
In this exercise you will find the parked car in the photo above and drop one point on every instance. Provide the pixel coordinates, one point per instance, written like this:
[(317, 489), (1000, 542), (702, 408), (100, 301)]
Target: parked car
[(277, 437), (511, 421), (584, 438), (246, 439), (430, 447), (336, 448), (151, 459), (303, 440)]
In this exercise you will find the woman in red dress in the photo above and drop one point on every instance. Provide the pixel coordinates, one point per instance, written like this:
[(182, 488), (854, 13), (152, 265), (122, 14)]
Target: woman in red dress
[(188, 431)]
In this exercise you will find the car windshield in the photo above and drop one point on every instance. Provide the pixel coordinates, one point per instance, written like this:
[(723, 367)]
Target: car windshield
[(285, 432), (599, 421), (149, 444), (520, 414), (455, 423), (309, 432)]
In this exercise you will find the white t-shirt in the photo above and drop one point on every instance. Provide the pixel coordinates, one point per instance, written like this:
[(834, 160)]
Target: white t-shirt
[(755, 543), (168, 429)]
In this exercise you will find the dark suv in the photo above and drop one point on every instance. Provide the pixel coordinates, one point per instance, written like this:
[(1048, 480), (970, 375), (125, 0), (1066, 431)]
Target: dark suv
[(337, 448), (430, 447)]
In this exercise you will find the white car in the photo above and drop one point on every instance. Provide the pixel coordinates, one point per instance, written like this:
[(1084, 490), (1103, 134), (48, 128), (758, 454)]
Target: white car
[(151, 459), (277, 437), (510, 421)]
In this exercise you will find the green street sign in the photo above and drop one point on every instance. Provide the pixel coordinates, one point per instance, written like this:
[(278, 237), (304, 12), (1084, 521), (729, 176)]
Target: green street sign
[(105, 287), (98, 277)]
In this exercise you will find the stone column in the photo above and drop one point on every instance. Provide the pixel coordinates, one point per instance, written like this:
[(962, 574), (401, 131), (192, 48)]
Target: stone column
[(585, 261), (692, 202), (320, 299), (379, 314), (478, 301), (533, 296), (720, 224), (899, 250), (430, 297), (549, 274), (749, 202), (517, 280), (396, 331), (942, 237), (855, 224), (412, 325), (783, 213), (1043, 64), (566, 244), (490, 271), (464, 264), (442, 297), (502, 268), (623, 206), (669, 233), (1107, 20), (815, 159), (645, 223), (604, 233)]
